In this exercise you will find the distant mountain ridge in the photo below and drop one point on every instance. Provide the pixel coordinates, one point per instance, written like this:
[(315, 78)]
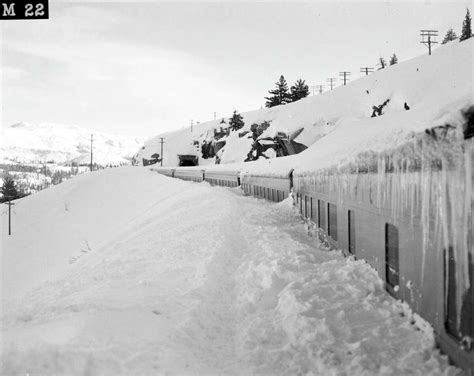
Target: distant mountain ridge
[(38, 143)]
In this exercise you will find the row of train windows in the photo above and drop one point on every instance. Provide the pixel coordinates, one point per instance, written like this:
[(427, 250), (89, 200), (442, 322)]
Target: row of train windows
[(326, 215), (458, 324), (268, 193), (222, 182), (321, 212)]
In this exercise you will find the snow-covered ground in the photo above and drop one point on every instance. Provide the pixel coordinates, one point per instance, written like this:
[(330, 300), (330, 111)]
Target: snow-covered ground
[(124, 271)]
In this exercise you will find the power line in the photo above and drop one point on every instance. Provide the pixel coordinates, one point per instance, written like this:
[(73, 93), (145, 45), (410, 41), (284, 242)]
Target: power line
[(367, 70), (345, 74), (331, 82), (427, 38)]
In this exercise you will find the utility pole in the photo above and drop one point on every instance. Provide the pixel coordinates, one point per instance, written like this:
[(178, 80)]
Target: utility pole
[(367, 70), (215, 115), (320, 88), (312, 88), (162, 142), (92, 140), (428, 38), (9, 203), (191, 125), (345, 74), (331, 82)]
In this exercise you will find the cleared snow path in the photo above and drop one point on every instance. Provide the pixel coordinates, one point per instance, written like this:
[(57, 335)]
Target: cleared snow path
[(183, 278)]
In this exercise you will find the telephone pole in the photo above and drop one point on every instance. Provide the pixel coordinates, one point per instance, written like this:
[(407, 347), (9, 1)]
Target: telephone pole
[(312, 88), (162, 142), (331, 82), (320, 88), (428, 38), (10, 204), (191, 125), (92, 140), (345, 74), (367, 70), (215, 115)]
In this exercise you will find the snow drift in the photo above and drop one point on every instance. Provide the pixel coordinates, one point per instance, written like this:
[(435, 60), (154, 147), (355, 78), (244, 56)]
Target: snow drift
[(124, 271)]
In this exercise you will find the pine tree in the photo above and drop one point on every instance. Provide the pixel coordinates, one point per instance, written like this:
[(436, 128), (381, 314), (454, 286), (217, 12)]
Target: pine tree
[(382, 63), (236, 121), (393, 60), (9, 190), (299, 90), (466, 32), (280, 95), (450, 36)]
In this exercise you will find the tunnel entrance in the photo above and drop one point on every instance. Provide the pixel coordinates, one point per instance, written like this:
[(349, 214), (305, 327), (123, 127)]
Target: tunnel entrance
[(188, 160)]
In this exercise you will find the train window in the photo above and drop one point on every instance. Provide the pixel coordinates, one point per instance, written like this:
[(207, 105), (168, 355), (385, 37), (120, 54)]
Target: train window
[(392, 270), (306, 207), (332, 221), (314, 214), (321, 214), (464, 328), (351, 231)]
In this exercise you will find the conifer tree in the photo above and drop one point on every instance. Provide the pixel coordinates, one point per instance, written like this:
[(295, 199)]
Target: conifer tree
[(299, 90), (450, 36), (393, 60), (466, 32), (280, 95), (9, 190), (236, 121)]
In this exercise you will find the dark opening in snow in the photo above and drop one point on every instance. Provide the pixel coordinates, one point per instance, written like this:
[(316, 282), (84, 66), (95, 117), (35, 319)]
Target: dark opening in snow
[(188, 160)]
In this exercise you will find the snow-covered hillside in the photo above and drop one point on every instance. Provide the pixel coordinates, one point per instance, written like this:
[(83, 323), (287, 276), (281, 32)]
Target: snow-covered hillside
[(127, 272), (39, 143), (421, 93)]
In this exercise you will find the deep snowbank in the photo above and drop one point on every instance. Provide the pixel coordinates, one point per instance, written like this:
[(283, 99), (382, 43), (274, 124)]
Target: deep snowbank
[(338, 124), (182, 278)]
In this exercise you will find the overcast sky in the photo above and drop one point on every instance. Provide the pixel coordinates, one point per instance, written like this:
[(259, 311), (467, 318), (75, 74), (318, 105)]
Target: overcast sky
[(144, 68)]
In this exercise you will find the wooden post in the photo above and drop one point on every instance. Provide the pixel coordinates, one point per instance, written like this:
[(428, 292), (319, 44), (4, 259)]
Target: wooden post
[(9, 203)]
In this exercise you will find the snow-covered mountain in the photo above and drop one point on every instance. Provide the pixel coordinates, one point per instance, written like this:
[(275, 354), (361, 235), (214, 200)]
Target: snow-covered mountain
[(34, 143), (411, 96)]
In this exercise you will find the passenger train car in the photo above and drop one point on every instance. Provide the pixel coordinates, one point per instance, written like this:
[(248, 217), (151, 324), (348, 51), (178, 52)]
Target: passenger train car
[(407, 212)]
